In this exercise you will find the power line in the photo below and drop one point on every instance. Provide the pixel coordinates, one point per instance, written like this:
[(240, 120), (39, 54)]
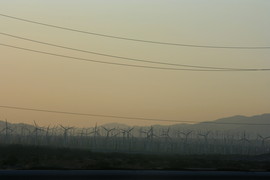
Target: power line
[(119, 117), (128, 65), (133, 39), (114, 56)]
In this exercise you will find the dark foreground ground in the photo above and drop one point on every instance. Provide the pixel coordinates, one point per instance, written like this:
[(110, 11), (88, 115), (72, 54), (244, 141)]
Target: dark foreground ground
[(130, 175), (18, 157)]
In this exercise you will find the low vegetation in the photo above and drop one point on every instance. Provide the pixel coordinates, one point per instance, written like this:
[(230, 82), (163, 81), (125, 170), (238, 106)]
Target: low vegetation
[(44, 157)]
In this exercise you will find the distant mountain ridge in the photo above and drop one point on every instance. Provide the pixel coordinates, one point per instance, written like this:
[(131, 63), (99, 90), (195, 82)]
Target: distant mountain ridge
[(246, 124)]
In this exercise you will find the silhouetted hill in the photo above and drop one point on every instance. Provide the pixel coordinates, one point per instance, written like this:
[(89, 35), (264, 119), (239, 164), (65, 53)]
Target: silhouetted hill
[(228, 124)]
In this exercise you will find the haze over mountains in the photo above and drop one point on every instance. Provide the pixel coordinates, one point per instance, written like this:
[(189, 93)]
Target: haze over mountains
[(246, 124), (228, 124)]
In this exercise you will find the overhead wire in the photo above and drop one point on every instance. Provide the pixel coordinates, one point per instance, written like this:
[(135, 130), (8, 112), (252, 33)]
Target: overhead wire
[(114, 56), (127, 65), (133, 39), (121, 117), (204, 68), (120, 64)]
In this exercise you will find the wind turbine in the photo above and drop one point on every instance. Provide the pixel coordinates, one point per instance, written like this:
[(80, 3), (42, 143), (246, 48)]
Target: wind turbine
[(7, 129), (65, 134), (126, 136), (263, 139), (244, 138), (205, 136), (108, 131), (36, 130), (96, 133), (165, 133), (127, 132), (186, 135)]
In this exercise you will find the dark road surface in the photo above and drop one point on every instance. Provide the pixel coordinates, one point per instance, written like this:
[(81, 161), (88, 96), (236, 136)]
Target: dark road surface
[(130, 175)]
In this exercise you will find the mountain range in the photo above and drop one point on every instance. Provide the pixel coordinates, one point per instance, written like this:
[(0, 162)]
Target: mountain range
[(258, 124)]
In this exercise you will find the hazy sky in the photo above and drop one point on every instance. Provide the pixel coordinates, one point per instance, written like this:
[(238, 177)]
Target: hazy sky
[(40, 81)]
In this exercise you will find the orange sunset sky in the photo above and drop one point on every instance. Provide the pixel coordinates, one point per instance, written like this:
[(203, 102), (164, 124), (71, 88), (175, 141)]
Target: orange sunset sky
[(33, 80)]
